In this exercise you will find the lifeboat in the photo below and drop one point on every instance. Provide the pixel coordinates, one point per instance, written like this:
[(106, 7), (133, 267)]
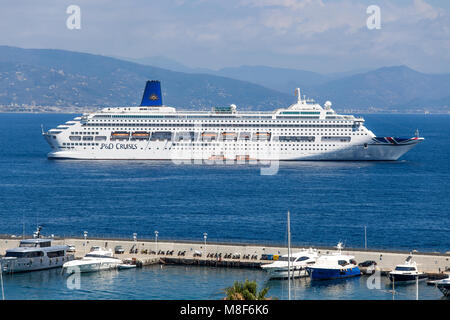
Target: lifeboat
[(245, 136), (229, 136), (120, 135), (209, 136), (140, 135), (217, 157), (242, 158), (262, 135)]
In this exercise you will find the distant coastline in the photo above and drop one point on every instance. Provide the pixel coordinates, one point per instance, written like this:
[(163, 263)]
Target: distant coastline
[(75, 110)]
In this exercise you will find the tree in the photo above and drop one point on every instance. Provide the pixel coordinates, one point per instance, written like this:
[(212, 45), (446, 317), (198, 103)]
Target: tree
[(246, 291)]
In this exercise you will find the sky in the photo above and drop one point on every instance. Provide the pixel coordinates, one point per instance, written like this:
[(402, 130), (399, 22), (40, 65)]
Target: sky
[(324, 36)]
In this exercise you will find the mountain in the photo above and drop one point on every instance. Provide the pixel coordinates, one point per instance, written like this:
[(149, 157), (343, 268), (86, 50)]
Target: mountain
[(71, 79), (169, 64), (65, 78), (387, 88), (280, 79)]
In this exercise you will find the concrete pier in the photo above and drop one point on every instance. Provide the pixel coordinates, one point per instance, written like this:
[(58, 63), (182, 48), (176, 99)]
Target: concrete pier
[(147, 252)]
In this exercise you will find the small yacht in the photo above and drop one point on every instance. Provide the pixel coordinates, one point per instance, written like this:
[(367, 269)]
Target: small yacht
[(334, 266), (299, 262), (407, 272), (96, 260), (444, 286), (35, 254)]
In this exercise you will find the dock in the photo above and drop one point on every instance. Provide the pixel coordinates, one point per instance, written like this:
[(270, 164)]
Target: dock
[(236, 255)]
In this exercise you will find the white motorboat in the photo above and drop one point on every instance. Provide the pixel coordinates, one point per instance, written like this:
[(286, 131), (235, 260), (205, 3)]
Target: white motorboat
[(444, 286), (96, 260), (299, 261), (407, 272), (128, 264)]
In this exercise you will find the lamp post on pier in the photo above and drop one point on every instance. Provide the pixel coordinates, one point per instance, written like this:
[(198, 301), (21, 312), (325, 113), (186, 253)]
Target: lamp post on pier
[(205, 235), (156, 242), (85, 238), (365, 237)]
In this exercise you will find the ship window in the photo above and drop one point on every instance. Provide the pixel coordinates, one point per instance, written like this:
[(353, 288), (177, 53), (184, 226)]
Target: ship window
[(405, 269), (302, 258), (286, 259), (45, 244), (342, 262), (54, 254), (15, 254), (27, 245), (32, 254)]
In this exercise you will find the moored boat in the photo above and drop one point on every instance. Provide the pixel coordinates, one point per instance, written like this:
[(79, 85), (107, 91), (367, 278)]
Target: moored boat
[(97, 259), (334, 266), (407, 272), (444, 286), (299, 262), (35, 254)]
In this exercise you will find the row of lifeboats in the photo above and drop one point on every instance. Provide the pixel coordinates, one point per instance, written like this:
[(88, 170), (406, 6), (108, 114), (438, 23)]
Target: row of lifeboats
[(234, 135), (135, 135), (205, 135)]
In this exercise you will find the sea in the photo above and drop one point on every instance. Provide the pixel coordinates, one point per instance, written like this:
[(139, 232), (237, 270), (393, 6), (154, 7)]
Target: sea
[(402, 205)]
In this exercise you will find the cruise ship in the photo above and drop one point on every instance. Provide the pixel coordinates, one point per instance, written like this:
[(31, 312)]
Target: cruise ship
[(303, 131)]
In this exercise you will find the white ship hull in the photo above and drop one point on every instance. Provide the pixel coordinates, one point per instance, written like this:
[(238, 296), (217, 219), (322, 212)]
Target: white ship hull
[(283, 273), (355, 152), (93, 265), (13, 265)]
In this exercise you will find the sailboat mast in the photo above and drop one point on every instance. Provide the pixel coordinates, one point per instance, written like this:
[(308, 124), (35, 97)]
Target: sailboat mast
[(289, 254), (1, 280)]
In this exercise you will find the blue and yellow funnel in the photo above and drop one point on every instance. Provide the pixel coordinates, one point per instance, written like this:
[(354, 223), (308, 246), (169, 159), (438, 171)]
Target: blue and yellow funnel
[(152, 94)]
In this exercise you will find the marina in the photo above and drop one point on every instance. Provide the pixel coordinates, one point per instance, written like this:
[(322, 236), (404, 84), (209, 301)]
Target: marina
[(148, 252), (230, 158), (177, 282), (246, 261)]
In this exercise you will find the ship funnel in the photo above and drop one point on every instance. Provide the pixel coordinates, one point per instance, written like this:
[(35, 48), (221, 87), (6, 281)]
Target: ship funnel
[(152, 94), (299, 96)]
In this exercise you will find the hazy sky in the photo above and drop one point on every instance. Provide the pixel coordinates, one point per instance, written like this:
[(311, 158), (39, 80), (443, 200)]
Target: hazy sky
[(317, 35)]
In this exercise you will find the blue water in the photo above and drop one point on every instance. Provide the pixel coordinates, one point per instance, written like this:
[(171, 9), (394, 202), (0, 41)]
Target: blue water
[(404, 205)]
